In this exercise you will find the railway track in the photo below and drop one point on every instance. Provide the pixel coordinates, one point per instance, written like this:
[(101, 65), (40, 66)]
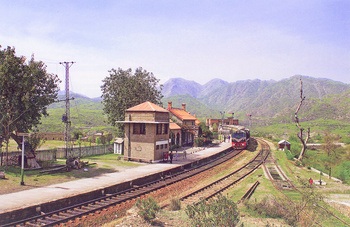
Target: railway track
[(65, 214), (281, 182), (218, 186), (276, 175)]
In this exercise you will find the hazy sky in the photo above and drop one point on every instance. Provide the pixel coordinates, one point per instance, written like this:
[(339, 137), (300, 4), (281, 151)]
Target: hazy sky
[(196, 40)]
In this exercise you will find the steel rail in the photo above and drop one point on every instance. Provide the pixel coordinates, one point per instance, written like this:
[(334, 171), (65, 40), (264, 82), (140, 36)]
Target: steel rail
[(273, 182), (296, 189), (249, 193), (71, 212), (228, 184)]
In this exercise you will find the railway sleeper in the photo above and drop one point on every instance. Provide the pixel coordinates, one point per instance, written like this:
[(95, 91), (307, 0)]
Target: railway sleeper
[(93, 205), (47, 222), (103, 203), (85, 208), (65, 214), (74, 212), (53, 218), (30, 224)]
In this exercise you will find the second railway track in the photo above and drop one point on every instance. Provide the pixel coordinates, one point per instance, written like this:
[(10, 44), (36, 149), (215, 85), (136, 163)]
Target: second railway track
[(212, 189), (65, 214), (82, 209)]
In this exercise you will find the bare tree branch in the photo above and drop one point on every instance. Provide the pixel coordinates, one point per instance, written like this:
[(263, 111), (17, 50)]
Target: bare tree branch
[(301, 130)]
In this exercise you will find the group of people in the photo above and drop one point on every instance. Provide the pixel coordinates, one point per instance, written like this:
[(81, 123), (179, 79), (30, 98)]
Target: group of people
[(171, 155)]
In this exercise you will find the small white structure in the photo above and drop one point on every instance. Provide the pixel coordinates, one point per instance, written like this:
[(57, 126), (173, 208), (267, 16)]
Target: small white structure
[(283, 144), (119, 146)]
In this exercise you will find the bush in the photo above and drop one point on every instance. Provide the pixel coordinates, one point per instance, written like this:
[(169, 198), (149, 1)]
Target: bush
[(174, 147), (290, 155), (199, 141), (147, 208), (216, 212), (175, 204), (345, 139), (343, 171), (272, 207)]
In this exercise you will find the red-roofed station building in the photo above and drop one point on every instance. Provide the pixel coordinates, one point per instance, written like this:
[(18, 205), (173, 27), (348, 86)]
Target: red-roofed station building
[(146, 132), (175, 133), (189, 123)]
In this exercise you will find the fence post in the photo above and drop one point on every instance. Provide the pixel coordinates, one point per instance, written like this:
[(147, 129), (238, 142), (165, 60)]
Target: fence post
[(1, 158)]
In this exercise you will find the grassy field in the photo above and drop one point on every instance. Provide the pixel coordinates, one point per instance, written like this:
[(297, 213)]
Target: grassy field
[(98, 165), (49, 144), (294, 173), (111, 163)]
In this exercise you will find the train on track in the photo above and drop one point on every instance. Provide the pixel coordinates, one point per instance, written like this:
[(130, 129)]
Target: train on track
[(240, 138)]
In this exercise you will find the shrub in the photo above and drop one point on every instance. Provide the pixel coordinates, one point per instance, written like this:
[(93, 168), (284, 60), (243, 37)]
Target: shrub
[(343, 171), (292, 213), (216, 212), (147, 208), (345, 139), (174, 147), (199, 141), (175, 204), (290, 155)]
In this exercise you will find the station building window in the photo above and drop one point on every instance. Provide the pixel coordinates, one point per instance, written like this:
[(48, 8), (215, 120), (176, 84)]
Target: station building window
[(159, 129), (139, 128), (165, 131)]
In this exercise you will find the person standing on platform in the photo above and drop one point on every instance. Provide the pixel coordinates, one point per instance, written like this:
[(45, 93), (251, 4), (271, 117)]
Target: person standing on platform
[(176, 156), (184, 154), (171, 157)]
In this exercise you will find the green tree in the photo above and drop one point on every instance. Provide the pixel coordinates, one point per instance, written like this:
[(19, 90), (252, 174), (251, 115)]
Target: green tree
[(123, 89), (205, 132), (215, 127), (26, 89), (77, 134), (98, 141), (332, 152)]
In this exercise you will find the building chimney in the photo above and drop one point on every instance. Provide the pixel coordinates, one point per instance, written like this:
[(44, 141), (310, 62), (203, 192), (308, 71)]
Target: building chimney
[(169, 105), (184, 106)]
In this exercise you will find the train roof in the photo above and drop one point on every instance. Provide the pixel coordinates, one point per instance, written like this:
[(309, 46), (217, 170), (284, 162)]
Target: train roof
[(242, 130)]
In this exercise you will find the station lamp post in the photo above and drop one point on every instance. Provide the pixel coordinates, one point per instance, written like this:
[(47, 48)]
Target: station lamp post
[(22, 159)]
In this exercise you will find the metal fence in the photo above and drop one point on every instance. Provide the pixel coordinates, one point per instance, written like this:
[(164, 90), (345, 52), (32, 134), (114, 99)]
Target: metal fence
[(59, 153)]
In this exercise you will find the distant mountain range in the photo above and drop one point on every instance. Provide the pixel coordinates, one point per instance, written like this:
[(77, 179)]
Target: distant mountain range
[(270, 101), (256, 97)]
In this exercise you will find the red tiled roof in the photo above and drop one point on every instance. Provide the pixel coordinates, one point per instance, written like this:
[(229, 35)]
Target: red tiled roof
[(147, 107), (173, 126), (182, 114)]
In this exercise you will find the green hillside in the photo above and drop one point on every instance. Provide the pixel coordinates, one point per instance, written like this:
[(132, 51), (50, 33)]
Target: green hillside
[(86, 115), (269, 102)]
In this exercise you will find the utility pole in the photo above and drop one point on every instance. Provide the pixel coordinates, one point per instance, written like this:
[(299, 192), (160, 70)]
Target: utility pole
[(222, 118), (66, 117), (250, 122), (233, 118)]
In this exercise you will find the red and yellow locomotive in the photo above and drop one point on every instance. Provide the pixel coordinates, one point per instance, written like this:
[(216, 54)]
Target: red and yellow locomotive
[(240, 139)]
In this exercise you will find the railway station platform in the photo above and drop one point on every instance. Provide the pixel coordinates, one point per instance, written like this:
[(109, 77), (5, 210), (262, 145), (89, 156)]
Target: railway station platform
[(51, 193)]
